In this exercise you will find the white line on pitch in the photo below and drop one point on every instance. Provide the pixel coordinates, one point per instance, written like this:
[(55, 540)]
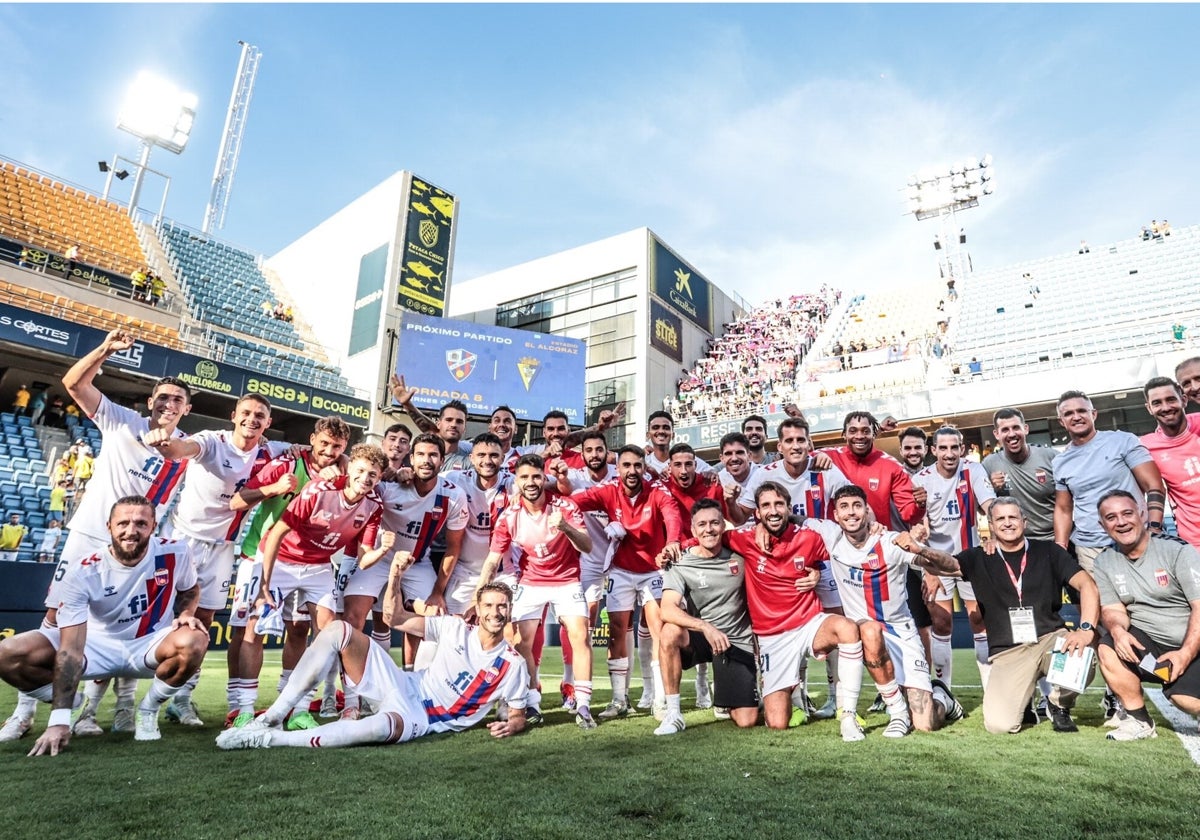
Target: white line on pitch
[(1183, 723)]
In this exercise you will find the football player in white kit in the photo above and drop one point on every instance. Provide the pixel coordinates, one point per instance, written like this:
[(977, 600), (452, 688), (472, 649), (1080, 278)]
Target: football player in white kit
[(957, 489), (485, 487), (117, 617), (871, 571), (219, 465), (472, 670), (126, 466)]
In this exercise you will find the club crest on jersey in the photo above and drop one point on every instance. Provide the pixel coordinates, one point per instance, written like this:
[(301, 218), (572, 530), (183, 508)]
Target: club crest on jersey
[(798, 562), (360, 519), (460, 363), (1040, 475), (733, 567), (489, 675), (1161, 577), (162, 577), (873, 484), (962, 485)]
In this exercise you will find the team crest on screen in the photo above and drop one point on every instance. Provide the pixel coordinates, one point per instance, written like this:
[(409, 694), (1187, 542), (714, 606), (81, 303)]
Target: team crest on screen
[(460, 363)]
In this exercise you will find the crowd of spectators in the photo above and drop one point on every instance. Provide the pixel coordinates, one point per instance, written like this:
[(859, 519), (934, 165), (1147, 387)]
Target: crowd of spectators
[(757, 358), (1156, 230), (279, 312)]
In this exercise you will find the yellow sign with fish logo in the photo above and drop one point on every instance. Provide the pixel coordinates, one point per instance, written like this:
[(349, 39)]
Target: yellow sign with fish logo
[(425, 262)]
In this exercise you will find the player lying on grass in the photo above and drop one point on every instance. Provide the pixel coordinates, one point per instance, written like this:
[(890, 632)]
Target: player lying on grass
[(471, 671), (116, 618)]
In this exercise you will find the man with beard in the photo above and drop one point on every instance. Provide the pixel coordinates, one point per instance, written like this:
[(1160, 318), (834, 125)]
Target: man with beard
[(471, 672), (786, 618), (116, 617), (1024, 472), (650, 524), (450, 425), (1175, 448), (485, 489), (549, 531), (754, 428), (736, 466)]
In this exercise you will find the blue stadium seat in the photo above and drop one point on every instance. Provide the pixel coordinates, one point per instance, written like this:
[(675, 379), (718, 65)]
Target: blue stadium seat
[(7, 417), (24, 420), (8, 488), (6, 474), (37, 520)]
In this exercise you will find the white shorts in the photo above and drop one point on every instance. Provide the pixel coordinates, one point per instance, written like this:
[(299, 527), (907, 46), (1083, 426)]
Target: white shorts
[(392, 689), (105, 656), (312, 583), (781, 656), (908, 656), (245, 590), (950, 584), (214, 569), (827, 591), (593, 585), (460, 590), (78, 546), (416, 584), (531, 600), (628, 589)]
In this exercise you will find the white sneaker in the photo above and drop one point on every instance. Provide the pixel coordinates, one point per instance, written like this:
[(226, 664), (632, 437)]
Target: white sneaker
[(254, 735), (703, 694), (646, 701), (123, 721), (183, 713), (1132, 729), (851, 728), (660, 708), (15, 728), (1113, 721), (672, 723), (897, 727), (721, 713), (829, 710), (329, 708), (147, 726), (86, 726)]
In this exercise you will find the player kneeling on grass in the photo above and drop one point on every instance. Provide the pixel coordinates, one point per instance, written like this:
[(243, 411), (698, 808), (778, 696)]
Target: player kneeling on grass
[(705, 619), (471, 671), (116, 618), (870, 567)]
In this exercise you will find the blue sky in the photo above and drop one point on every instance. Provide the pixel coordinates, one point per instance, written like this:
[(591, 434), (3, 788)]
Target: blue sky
[(768, 144)]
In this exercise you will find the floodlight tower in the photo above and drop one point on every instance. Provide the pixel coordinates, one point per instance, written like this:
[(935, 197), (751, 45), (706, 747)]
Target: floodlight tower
[(159, 114), (940, 194), (231, 137)]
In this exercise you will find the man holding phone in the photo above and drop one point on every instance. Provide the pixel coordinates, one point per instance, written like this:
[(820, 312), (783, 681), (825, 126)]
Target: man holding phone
[(1150, 608)]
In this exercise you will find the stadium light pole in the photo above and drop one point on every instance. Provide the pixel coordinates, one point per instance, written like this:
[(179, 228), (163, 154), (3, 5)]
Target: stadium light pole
[(941, 193), (159, 114)]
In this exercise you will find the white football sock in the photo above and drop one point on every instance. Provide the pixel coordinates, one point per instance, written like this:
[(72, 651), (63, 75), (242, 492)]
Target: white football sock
[(943, 657), (981, 658), (158, 694), (850, 673), (311, 668), (618, 677), (376, 729)]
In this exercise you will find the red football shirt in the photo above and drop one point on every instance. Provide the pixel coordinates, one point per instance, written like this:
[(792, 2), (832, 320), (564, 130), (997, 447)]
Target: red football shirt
[(651, 520), (703, 487), (888, 487), (549, 556), (323, 523), (775, 605)]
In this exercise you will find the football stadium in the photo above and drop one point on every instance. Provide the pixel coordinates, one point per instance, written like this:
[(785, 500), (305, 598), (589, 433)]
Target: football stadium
[(839, 555)]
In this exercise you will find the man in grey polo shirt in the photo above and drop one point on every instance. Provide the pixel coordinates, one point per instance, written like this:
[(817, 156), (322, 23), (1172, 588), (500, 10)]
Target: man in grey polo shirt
[(1094, 463), (1024, 472), (705, 619), (1150, 609)]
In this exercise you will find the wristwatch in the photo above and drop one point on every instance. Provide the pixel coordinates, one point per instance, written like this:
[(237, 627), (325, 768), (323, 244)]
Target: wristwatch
[(1087, 625)]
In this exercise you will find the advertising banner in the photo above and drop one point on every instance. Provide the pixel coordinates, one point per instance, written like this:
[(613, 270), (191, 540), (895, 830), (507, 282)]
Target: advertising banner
[(425, 261), (56, 265), (368, 300), (486, 366), (683, 287), (666, 330)]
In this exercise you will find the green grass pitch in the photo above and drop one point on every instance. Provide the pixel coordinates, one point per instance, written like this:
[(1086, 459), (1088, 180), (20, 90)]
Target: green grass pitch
[(711, 781)]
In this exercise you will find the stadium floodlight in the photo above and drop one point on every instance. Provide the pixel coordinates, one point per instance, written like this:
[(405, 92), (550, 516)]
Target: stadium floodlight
[(158, 112), (941, 192), (121, 174), (103, 165)]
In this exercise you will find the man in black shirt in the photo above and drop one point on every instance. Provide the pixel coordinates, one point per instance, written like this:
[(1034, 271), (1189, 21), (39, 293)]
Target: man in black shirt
[(1019, 587)]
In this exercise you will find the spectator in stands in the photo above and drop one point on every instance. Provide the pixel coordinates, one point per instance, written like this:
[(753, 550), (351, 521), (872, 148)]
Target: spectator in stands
[(139, 279), (37, 407), (58, 497), (25, 259), (72, 419), (288, 315), (54, 414), (62, 470), (50, 540), (1165, 228), (267, 309), (937, 349), (975, 366), (20, 405), (278, 311), (1083, 247), (72, 254), (157, 287), (951, 292), (12, 535), (1177, 332), (1145, 233)]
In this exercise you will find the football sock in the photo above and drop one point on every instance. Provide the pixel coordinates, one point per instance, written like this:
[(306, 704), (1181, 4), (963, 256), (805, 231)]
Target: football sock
[(981, 658), (618, 677), (583, 694), (26, 705), (673, 704), (93, 693), (311, 668), (376, 729), (158, 694), (893, 699), (284, 676), (126, 688), (247, 696), (850, 672), (942, 658)]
